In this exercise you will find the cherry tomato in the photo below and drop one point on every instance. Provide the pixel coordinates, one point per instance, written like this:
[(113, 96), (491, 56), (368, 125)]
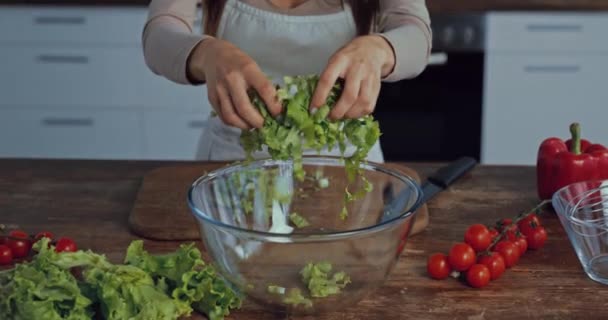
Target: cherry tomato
[(65, 245), (438, 266), (495, 263), (528, 224), (18, 234), (20, 243), (478, 276), (512, 229), (509, 251), (6, 255), (2, 240), (42, 234), (522, 244), (493, 233), (537, 239), (478, 237), (461, 256)]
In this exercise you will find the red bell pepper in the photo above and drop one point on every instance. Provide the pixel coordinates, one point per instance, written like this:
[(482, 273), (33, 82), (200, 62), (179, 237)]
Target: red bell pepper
[(560, 163)]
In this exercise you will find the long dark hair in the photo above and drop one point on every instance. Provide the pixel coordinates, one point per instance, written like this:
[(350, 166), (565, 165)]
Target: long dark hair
[(364, 12)]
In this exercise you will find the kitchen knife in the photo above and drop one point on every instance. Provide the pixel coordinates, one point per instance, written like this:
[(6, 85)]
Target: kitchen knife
[(435, 183), (446, 176)]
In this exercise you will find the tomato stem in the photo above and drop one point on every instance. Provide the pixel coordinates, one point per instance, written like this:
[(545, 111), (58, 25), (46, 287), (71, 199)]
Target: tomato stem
[(505, 228)]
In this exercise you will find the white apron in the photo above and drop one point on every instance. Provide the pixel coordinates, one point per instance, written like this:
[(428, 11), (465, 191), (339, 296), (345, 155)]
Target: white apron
[(281, 45)]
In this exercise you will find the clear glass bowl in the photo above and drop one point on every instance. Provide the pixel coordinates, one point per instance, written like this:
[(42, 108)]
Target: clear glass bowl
[(582, 208), (260, 252)]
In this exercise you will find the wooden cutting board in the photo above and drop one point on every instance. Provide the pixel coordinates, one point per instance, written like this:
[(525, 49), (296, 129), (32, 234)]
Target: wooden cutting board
[(161, 212)]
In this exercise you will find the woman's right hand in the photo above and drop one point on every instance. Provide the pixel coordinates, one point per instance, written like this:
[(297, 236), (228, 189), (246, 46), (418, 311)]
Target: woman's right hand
[(229, 73)]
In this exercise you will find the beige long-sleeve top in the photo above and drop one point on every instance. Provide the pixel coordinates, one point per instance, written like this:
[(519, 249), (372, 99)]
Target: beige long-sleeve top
[(169, 35)]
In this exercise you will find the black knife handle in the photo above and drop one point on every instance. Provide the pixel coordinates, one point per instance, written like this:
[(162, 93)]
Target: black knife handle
[(447, 175)]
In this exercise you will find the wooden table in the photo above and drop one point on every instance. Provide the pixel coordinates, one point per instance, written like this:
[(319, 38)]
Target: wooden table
[(90, 201)]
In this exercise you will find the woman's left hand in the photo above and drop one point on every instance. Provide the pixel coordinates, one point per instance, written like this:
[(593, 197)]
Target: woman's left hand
[(362, 63)]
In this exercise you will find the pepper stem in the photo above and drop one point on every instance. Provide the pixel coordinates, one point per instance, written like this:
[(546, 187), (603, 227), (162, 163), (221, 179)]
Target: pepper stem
[(575, 146)]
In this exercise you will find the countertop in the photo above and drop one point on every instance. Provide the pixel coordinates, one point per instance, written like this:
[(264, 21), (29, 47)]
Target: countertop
[(435, 6), (90, 201)]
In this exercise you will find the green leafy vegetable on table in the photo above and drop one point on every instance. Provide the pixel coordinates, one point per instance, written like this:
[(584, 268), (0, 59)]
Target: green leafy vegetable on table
[(146, 287)]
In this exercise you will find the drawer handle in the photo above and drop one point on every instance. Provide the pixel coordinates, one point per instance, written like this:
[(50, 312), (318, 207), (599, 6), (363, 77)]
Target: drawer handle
[(68, 122), (49, 58), (555, 27), (197, 124), (552, 69), (60, 20)]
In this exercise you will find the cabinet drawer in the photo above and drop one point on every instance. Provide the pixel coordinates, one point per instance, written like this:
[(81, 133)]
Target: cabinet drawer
[(70, 134), (542, 81), (41, 25), (530, 98), (88, 77), (173, 136), (554, 32)]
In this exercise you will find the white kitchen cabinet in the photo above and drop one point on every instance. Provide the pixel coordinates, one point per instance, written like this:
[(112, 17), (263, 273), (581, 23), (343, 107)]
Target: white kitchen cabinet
[(541, 74), (74, 84), (170, 136), (70, 133), (546, 32), (88, 77), (72, 26)]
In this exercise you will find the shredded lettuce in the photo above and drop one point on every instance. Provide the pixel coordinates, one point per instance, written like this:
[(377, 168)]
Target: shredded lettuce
[(316, 276), (295, 297), (274, 289), (298, 220), (297, 128)]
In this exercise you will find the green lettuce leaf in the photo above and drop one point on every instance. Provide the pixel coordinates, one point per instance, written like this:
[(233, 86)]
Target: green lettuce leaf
[(122, 291), (129, 293), (40, 290), (187, 278), (317, 278)]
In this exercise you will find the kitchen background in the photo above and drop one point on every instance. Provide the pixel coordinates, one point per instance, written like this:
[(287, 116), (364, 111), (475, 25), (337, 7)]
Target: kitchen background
[(504, 75)]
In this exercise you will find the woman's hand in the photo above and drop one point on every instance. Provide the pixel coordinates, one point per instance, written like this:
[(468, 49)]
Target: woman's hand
[(362, 64), (229, 73)]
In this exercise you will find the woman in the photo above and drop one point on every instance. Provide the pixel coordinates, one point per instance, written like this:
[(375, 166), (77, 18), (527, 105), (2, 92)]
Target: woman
[(363, 42)]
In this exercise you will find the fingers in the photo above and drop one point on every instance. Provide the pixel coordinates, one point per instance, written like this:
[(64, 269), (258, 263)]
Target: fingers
[(335, 68), (265, 89), (350, 93), (227, 111), (242, 104), (213, 98), (368, 95)]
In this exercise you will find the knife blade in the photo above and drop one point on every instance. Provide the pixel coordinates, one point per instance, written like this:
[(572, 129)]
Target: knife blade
[(435, 183)]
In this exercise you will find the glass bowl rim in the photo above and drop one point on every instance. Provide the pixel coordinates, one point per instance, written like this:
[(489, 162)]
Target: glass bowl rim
[(323, 160), (556, 198)]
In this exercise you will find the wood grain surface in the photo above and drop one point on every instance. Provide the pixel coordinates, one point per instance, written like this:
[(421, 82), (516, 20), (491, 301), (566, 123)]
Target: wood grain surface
[(91, 201), (160, 211)]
